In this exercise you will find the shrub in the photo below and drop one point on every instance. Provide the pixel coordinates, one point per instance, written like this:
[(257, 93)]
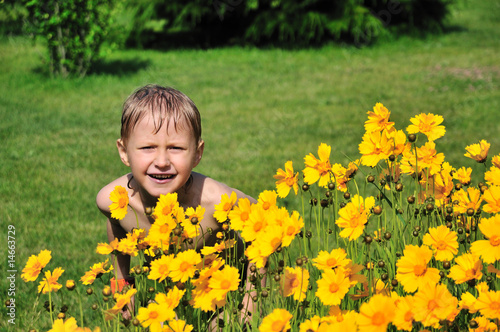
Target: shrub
[(74, 30)]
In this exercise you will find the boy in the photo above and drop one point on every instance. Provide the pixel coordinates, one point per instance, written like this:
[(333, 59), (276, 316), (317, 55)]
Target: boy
[(161, 143)]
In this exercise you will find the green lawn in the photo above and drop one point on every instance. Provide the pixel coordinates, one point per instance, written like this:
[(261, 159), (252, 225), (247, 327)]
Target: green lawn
[(259, 109)]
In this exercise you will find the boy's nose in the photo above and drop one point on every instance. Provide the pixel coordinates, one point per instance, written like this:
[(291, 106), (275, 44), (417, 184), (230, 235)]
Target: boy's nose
[(162, 160)]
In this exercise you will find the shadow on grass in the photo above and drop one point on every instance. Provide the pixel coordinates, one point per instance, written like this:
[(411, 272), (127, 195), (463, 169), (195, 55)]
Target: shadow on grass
[(119, 67)]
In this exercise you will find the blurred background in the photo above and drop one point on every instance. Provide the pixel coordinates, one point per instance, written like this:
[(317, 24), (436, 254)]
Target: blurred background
[(272, 80)]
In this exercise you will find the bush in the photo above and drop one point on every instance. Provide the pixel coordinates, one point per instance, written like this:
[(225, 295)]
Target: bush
[(12, 16), (289, 22), (74, 30)]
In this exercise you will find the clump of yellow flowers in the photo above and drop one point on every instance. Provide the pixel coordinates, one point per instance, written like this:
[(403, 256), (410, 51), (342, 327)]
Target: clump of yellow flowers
[(418, 248)]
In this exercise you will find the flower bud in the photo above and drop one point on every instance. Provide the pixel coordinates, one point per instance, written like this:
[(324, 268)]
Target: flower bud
[(70, 284)]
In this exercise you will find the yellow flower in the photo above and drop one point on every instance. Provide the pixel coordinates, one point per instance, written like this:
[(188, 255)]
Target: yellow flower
[(270, 240), (496, 161), (478, 151), (333, 286), (291, 227), (468, 267), (166, 206), (443, 242), (310, 325), (489, 250), (492, 177), (183, 266), (218, 248), (152, 316), (399, 145), (197, 213), (224, 281), (427, 124), (255, 255), (463, 175), (426, 156), (240, 214), (160, 268), (439, 186), (375, 146), (267, 200), (484, 325), (160, 231), (105, 248), (378, 120), (286, 180), (69, 325), (433, 304), (276, 321), (492, 198), (49, 283), (331, 260), (318, 169), (35, 265), (354, 216), (121, 301), (96, 270), (178, 325), (224, 207), (470, 199), (256, 224), (404, 314), (295, 283), (119, 199), (376, 314), (170, 301), (128, 245), (467, 302), (412, 270)]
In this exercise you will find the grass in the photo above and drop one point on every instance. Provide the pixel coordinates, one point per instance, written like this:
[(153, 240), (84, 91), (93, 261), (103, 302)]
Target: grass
[(260, 108)]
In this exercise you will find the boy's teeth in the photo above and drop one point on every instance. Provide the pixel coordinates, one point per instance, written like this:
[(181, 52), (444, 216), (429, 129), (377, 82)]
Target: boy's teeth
[(161, 176)]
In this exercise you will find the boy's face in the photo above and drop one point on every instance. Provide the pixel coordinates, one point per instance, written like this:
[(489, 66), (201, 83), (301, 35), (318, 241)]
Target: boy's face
[(161, 163)]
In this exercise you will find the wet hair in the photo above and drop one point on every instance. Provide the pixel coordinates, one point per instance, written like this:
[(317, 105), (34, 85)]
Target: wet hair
[(163, 104)]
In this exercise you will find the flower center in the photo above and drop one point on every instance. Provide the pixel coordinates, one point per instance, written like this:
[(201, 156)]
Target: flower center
[(378, 318), (244, 216), (432, 305), (225, 284), (184, 266), (227, 206), (290, 182), (495, 240), (163, 269), (419, 270), (275, 242), (277, 326), (122, 202), (295, 282), (441, 245), (408, 316), (290, 230), (334, 288), (153, 315), (331, 262), (266, 205), (495, 306), (166, 210), (164, 229), (257, 226)]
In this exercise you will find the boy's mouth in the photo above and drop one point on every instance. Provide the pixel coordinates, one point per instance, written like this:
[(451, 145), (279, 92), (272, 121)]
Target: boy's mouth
[(161, 176)]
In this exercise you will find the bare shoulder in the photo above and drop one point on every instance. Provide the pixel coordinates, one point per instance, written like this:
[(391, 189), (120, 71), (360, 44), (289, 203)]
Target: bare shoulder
[(213, 190), (102, 200)]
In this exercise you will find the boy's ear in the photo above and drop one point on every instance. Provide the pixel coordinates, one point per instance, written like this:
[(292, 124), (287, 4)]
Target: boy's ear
[(122, 150), (199, 152)]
